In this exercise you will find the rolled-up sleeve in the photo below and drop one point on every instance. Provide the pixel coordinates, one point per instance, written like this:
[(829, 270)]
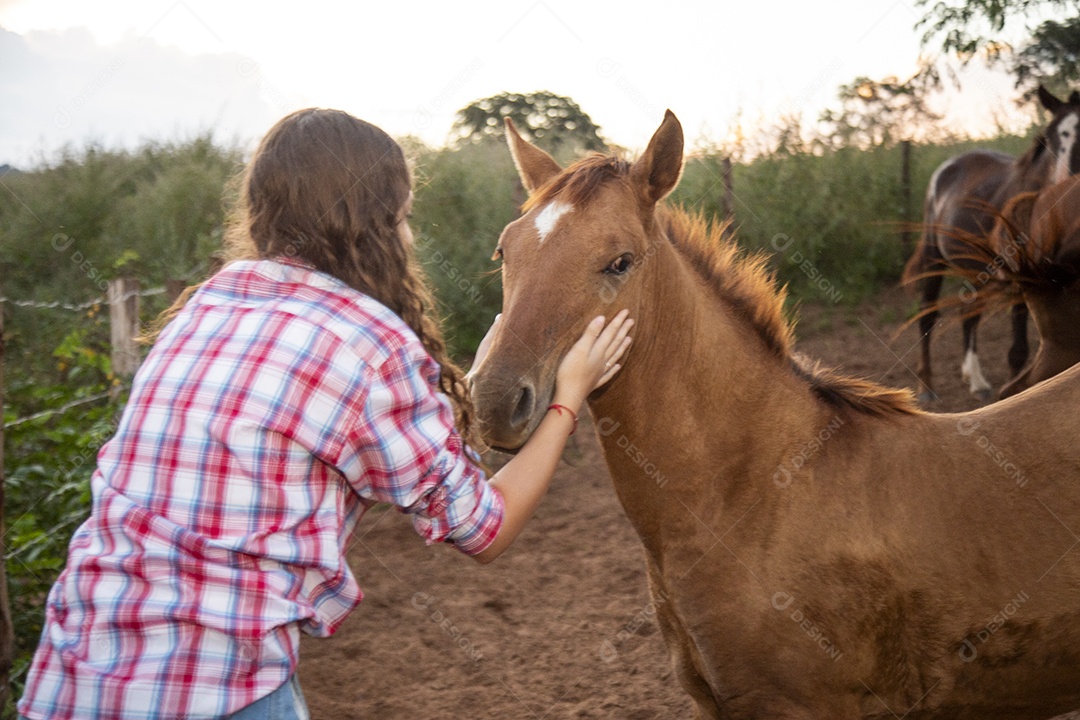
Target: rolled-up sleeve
[(405, 450)]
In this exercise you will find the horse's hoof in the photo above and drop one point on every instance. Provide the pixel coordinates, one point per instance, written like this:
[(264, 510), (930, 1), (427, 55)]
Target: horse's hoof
[(928, 397), (984, 395)]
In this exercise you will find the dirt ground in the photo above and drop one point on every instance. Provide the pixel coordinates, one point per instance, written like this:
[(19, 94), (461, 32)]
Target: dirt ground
[(560, 626)]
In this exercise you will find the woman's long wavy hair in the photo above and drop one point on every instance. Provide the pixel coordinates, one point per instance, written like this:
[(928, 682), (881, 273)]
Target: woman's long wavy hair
[(329, 190)]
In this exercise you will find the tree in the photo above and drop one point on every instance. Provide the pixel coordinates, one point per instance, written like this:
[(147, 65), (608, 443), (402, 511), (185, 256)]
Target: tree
[(553, 122), (1051, 57), (968, 26), (972, 27), (880, 112)]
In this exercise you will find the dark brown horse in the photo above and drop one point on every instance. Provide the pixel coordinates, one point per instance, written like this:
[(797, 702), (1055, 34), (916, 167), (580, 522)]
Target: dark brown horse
[(817, 547), (1035, 259), (964, 197)]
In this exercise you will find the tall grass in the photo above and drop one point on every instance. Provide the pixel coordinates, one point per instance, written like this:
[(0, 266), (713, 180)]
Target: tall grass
[(832, 222), (464, 198)]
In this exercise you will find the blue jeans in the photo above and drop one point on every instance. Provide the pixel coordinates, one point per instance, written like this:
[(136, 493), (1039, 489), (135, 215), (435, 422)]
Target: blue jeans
[(285, 703)]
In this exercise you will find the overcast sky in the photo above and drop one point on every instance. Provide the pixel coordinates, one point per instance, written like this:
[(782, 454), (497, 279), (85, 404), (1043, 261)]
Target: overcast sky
[(128, 70)]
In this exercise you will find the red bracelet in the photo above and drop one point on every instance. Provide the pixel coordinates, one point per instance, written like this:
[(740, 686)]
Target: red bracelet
[(559, 408)]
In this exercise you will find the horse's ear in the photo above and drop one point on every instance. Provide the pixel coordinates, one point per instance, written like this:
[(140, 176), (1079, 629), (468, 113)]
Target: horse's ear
[(534, 165), (1075, 97), (656, 173), (1049, 100)]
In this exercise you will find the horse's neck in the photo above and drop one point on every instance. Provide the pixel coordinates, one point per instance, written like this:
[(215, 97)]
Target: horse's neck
[(1057, 318), (1056, 311), (1025, 175), (700, 410)]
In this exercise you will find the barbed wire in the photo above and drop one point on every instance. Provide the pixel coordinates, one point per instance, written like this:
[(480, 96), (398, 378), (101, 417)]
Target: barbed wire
[(103, 300), (57, 411), (76, 307)]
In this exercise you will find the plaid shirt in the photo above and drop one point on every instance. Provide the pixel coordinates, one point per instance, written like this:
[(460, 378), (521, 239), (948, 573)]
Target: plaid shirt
[(271, 413)]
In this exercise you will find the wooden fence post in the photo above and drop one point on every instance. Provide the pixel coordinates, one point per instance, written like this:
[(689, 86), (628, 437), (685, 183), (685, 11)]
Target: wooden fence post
[(7, 629), (124, 325), (907, 237), (729, 191)]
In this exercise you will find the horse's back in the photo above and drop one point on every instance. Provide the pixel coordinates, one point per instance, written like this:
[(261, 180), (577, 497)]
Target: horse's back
[(970, 173), (1040, 407), (960, 192), (1030, 435)]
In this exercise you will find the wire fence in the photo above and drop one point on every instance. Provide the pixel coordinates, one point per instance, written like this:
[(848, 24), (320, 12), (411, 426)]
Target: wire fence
[(123, 319), (57, 411), (60, 305)]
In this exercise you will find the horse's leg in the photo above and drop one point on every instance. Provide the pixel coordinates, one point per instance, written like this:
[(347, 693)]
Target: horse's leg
[(971, 369), (1018, 353), (680, 648), (931, 289), (1019, 383)]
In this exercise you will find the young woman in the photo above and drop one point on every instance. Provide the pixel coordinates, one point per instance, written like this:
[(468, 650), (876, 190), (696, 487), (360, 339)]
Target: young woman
[(293, 390)]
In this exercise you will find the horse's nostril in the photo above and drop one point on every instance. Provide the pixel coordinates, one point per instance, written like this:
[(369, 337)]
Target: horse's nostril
[(523, 408)]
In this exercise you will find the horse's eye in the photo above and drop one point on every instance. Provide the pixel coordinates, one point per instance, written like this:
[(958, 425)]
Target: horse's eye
[(619, 265)]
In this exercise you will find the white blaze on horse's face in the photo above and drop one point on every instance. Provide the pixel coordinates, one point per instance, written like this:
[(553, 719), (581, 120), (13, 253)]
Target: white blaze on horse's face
[(1066, 136), (549, 217)]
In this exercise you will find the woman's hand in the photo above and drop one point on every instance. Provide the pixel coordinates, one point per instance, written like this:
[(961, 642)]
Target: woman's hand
[(592, 360)]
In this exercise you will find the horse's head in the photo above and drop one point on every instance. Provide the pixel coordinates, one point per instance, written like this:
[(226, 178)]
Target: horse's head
[(1060, 136), (580, 249)]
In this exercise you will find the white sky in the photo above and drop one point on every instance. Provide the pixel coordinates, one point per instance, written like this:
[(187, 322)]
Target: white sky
[(124, 70)]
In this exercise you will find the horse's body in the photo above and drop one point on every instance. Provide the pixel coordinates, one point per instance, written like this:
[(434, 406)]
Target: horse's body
[(964, 197), (863, 587), (1038, 239), (818, 547)]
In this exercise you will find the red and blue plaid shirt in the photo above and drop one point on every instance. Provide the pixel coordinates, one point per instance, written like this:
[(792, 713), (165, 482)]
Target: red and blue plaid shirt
[(271, 413)]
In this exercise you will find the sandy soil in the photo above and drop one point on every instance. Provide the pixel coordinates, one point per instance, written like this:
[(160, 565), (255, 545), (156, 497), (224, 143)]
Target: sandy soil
[(537, 634)]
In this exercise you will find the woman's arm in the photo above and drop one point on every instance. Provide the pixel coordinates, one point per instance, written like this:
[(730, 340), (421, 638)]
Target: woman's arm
[(522, 482)]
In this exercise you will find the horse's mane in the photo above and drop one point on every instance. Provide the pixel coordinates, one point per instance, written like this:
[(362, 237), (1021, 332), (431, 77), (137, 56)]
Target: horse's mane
[(1035, 151), (742, 280), (747, 285)]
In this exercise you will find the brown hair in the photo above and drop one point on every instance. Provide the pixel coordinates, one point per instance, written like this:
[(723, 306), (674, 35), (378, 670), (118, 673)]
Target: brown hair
[(328, 189)]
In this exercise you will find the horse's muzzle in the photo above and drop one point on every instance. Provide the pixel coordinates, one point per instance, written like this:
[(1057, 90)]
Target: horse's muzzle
[(508, 406)]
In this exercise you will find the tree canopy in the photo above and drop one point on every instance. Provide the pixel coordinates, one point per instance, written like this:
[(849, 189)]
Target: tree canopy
[(1051, 57), (554, 122), (880, 112), (968, 26), (971, 28)]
